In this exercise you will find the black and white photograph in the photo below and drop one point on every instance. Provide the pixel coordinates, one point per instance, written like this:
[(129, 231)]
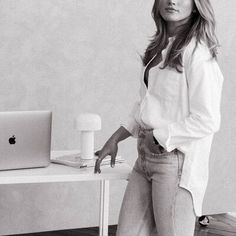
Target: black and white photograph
[(117, 118)]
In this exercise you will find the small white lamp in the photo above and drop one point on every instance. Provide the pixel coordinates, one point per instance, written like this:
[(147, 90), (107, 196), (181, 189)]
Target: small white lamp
[(87, 123)]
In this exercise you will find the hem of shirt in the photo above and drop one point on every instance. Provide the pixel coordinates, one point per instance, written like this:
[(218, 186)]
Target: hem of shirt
[(197, 209), (131, 129)]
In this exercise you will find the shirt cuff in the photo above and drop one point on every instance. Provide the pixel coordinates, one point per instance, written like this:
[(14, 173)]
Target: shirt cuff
[(132, 126), (162, 135)]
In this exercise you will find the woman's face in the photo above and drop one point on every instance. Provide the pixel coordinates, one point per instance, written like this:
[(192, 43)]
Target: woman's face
[(175, 10)]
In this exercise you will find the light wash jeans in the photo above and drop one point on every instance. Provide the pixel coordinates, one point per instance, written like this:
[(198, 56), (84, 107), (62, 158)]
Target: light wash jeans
[(153, 203)]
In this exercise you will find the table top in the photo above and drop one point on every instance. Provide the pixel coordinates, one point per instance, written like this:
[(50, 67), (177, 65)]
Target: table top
[(62, 173)]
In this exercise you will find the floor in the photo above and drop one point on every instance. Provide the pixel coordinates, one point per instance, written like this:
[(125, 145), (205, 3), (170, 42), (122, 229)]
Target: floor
[(219, 226)]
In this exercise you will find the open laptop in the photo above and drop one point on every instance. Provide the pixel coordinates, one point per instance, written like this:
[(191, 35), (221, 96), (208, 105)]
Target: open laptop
[(25, 139)]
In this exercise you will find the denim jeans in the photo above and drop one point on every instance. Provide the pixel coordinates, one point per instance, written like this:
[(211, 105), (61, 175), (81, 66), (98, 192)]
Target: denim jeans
[(154, 204)]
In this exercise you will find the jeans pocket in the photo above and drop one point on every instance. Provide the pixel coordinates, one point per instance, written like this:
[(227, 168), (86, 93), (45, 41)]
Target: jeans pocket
[(138, 165), (158, 150)]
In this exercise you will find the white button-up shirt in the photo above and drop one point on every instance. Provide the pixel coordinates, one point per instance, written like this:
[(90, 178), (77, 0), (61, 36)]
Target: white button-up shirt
[(183, 109)]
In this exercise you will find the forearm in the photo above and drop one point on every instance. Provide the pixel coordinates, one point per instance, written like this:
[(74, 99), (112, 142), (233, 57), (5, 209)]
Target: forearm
[(191, 128), (120, 134)]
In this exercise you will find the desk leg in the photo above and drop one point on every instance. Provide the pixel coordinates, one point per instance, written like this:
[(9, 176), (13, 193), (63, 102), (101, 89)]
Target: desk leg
[(104, 208)]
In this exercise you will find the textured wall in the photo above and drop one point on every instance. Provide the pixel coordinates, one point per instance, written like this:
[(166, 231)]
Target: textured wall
[(221, 193), (82, 55), (70, 57)]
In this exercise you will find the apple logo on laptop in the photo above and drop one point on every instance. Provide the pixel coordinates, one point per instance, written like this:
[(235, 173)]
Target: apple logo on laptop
[(12, 140)]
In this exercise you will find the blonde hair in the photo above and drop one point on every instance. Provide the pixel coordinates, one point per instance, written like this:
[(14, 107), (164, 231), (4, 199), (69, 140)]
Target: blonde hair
[(200, 25)]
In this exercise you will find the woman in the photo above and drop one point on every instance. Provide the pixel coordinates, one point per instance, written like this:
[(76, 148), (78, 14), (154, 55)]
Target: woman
[(174, 121)]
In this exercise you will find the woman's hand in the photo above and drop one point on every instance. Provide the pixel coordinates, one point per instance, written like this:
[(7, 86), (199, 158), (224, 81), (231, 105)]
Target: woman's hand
[(109, 148), (149, 144)]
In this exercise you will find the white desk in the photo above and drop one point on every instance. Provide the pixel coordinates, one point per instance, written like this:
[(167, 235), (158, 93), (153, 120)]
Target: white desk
[(60, 173)]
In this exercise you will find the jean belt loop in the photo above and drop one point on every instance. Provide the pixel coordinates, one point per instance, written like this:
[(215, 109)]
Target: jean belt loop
[(139, 131), (179, 163)]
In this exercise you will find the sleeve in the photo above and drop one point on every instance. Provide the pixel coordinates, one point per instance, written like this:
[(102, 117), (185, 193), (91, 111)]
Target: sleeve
[(204, 80), (131, 124)]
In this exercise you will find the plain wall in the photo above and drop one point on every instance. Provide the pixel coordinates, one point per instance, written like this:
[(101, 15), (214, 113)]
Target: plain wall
[(70, 57), (221, 193), (79, 56)]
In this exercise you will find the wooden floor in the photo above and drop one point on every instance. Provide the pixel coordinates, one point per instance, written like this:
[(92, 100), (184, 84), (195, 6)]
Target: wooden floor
[(219, 226)]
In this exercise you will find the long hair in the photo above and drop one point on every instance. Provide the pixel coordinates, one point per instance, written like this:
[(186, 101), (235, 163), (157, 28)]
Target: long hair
[(200, 25)]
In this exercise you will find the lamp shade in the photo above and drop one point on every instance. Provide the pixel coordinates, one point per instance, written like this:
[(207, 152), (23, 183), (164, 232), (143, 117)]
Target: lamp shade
[(88, 122)]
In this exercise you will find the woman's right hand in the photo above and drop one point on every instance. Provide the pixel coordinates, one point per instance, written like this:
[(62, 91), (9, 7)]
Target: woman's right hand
[(109, 148)]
